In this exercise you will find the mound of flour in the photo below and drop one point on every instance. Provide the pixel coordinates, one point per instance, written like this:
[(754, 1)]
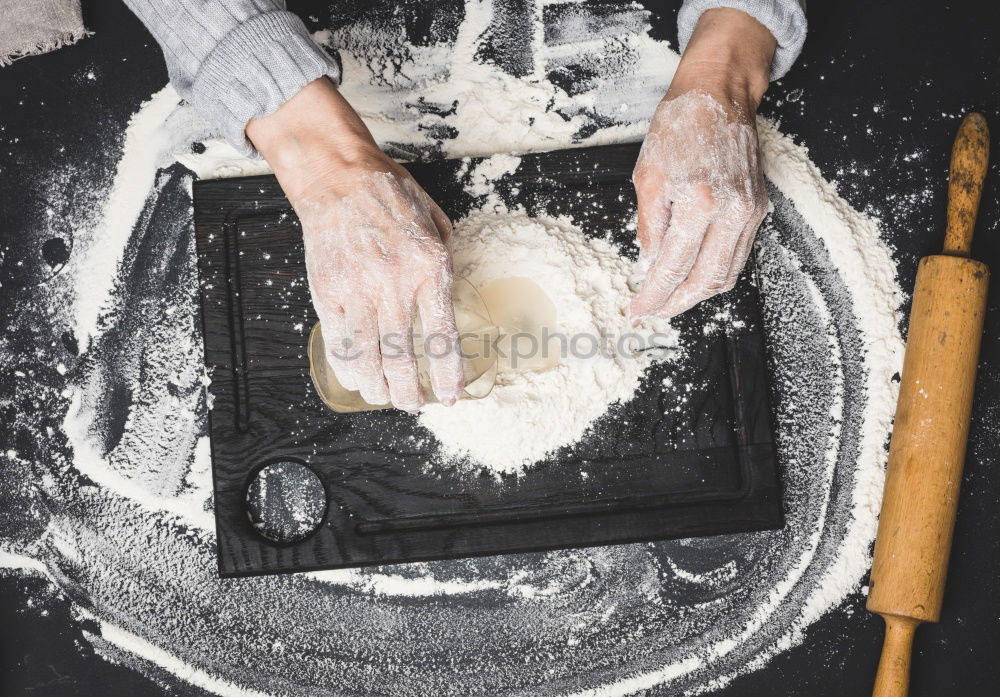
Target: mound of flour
[(530, 414)]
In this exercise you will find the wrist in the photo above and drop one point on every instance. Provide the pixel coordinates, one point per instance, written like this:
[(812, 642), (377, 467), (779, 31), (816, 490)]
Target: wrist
[(729, 55), (312, 136)]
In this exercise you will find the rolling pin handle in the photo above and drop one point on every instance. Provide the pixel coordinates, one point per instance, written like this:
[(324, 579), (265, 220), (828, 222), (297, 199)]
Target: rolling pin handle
[(893, 677), (969, 159)]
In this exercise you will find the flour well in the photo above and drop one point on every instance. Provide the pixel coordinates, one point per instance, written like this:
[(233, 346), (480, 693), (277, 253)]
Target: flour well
[(530, 414)]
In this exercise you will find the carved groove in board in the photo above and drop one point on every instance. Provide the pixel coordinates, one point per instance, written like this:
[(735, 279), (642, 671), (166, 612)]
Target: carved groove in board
[(670, 463), (241, 403), (234, 281)]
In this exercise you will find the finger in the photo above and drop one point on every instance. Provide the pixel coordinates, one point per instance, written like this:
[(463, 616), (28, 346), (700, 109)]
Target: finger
[(653, 216), (677, 254), (721, 258), (441, 221), (366, 362), (710, 273), (338, 346), (437, 315), (399, 365), (745, 244)]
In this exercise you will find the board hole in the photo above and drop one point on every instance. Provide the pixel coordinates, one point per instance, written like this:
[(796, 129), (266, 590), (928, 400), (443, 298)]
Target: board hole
[(286, 502)]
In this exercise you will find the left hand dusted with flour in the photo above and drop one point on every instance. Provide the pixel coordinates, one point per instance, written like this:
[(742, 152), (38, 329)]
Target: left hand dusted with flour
[(698, 180), (374, 248)]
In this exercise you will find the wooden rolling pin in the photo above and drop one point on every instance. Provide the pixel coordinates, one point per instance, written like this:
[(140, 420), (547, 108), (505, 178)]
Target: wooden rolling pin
[(931, 428)]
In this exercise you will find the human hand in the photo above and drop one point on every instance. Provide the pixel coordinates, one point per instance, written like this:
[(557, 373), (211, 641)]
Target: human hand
[(698, 179), (374, 245)]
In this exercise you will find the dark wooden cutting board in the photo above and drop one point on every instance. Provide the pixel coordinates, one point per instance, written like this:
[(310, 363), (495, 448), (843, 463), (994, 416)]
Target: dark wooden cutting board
[(652, 471)]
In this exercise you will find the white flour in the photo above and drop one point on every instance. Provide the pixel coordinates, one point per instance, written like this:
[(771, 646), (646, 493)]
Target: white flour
[(489, 170), (493, 111), (124, 522), (529, 414)]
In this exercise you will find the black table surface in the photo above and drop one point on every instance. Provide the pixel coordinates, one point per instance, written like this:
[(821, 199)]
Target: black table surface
[(923, 63)]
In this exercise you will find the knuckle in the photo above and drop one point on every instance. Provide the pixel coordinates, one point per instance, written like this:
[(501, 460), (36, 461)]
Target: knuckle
[(398, 366), (698, 200), (670, 277), (360, 345), (324, 297), (366, 371), (715, 284), (448, 379), (441, 347), (647, 186), (395, 341), (744, 205), (434, 258), (664, 280)]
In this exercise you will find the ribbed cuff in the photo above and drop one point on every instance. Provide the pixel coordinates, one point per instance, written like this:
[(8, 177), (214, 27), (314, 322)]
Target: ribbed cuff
[(255, 69), (786, 20)]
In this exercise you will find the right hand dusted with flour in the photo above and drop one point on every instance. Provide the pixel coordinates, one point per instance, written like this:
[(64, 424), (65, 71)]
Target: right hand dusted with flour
[(698, 180), (375, 252)]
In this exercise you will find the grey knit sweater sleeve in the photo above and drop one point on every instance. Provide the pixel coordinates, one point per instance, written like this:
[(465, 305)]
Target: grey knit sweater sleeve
[(234, 60), (785, 18)]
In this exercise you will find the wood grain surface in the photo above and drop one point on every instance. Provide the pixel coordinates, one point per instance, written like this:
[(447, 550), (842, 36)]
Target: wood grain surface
[(647, 470), (970, 157), (931, 426)]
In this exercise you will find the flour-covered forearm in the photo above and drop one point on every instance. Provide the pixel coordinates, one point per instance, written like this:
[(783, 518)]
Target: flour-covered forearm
[(234, 60), (786, 20)]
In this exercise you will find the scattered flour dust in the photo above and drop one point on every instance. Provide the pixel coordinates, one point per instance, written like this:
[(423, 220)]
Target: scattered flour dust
[(488, 171), (529, 414), (507, 110), (130, 531)]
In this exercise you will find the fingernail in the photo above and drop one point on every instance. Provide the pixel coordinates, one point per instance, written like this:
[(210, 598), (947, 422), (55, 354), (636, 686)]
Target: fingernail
[(449, 400), (409, 406)]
